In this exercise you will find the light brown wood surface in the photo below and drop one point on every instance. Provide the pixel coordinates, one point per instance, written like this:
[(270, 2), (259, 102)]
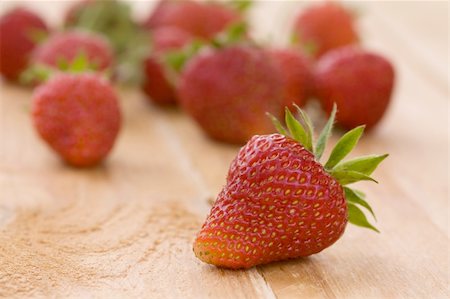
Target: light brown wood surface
[(125, 229)]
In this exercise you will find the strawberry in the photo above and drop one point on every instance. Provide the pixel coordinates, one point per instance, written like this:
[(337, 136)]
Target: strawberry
[(157, 84), (203, 20), (229, 90), (19, 29), (217, 18), (297, 76), (323, 27), (280, 202), (358, 81), (64, 47), (169, 38), (78, 116)]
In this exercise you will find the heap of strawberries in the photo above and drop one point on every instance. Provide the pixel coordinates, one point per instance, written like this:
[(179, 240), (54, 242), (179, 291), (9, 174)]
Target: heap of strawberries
[(279, 201)]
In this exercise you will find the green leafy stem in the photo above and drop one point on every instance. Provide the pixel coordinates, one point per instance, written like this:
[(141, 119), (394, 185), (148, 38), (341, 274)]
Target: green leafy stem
[(345, 172)]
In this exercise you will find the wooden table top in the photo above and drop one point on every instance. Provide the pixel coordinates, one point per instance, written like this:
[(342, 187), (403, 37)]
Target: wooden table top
[(125, 229)]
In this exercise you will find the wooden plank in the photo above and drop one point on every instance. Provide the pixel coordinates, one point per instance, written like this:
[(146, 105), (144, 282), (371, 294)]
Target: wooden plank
[(125, 229), (411, 216), (409, 24), (423, 42), (394, 258), (418, 122)]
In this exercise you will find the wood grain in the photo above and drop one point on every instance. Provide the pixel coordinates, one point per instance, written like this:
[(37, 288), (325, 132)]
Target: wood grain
[(125, 229)]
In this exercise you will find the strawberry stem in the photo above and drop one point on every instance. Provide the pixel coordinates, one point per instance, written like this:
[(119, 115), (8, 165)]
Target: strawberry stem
[(325, 134), (345, 172), (344, 146)]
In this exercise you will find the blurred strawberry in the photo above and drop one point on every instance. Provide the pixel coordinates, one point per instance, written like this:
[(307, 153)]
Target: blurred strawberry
[(159, 14), (201, 19), (78, 116), (297, 76), (359, 82), (229, 90), (323, 27), (19, 31), (157, 84), (111, 18), (169, 38), (114, 20), (64, 47)]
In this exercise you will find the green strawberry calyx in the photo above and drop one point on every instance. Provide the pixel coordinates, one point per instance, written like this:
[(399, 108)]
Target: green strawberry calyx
[(309, 48), (241, 6), (233, 34), (114, 20), (39, 73), (345, 172)]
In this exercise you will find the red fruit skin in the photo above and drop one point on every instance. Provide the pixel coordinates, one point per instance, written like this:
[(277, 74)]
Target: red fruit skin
[(217, 18), (359, 82), (78, 116), (202, 20), (159, 14), (157, 85), (278, 203), (297, 76), (16, 40), (169, 38), (326, 26), (229, 91), (68, 45)]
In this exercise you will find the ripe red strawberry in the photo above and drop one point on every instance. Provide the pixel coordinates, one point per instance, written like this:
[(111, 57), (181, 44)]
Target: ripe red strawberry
[(169, 38), (157, 84), (297, 76), (217, 18), (202, 20), (18, 30), (323, 27), (64, 47), (359, 82), (228, 92), (78, 116), (280, 202)]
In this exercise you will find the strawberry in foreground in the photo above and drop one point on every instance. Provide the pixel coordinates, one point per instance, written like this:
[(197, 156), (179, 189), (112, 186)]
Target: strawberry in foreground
[(323, 27), (280, 202), (358, 81), (78, 116), (229, 90), (19, 31), (297, 76), (65, 47)]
